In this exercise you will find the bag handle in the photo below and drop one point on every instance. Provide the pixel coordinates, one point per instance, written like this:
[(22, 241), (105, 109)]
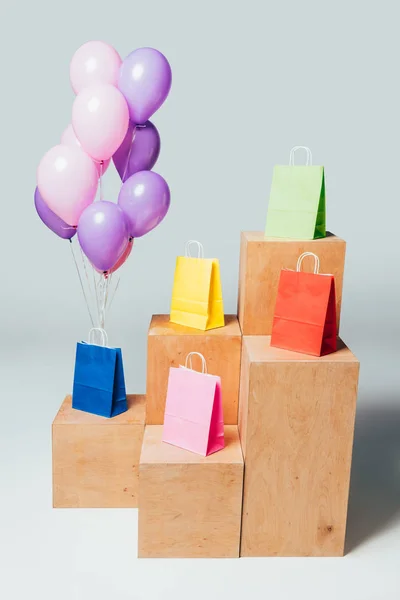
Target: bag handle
[(188, 362), (200, 249), (302, 257), (308, 157), (100, 333)]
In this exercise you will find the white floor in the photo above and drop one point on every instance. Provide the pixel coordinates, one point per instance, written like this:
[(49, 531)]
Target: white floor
[(91, 554)]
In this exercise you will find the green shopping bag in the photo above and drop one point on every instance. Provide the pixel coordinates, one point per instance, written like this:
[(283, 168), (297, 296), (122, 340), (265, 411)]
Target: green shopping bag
[(297, 202)]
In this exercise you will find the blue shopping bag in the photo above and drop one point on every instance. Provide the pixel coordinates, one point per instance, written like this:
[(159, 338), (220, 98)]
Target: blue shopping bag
[(99, 382)]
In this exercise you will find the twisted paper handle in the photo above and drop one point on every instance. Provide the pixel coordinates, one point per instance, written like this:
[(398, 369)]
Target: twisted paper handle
[(293, 152), (200, 249), (188, 362), (98, 332), (302, 257)]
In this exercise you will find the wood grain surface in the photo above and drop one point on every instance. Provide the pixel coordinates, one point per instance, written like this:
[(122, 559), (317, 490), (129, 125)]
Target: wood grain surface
[(189, 505), (96, 460), (261, 261), (169, 344), (296, 425)]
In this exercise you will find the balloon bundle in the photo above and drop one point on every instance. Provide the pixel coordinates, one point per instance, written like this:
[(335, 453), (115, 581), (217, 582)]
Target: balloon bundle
[(110, 120)]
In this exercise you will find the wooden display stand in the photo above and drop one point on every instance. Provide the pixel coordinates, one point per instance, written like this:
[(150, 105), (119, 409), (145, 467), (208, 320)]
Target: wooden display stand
[(96, 460), (189, 506), (296, 423), (169, 344), (261, 261)]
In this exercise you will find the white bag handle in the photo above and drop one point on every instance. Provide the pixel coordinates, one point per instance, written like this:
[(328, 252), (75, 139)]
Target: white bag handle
[(98, 332), (188, 362), (293, 152), (302, 257), (200, 249)]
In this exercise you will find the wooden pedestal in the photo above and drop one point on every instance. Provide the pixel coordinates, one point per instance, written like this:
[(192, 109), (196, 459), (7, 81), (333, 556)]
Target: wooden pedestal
[(189, 506), (261, 261), (296, 423), (169, 344), (96, 460)]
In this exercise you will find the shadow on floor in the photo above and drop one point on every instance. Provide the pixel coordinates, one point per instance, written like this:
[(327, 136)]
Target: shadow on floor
[(375, 476)]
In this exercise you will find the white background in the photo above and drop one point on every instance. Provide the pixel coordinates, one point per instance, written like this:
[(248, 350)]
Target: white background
[(250, 80)]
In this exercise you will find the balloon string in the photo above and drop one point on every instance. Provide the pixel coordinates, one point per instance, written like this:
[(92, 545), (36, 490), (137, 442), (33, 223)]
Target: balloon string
[(104, 285), (129, 154), (95, 290), (109, 279), (81, 282), (115, 291), (83, 257), (101, 180)]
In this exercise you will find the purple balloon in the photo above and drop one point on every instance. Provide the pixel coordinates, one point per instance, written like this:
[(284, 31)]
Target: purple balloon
[(51, 220), (103, 234), (139, 150), (145, 80), (145, 200)]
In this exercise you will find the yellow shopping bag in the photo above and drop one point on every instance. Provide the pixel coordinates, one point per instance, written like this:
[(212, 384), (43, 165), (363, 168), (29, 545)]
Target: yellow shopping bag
[(197, 292)]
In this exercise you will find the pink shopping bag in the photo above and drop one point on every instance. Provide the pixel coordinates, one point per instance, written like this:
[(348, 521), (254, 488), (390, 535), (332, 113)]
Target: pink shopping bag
[(193, 417)]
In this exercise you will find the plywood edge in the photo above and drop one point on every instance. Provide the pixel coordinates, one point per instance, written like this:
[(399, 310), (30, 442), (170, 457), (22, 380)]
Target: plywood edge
[(59, 411), (245, 344), (246, 235), (242, 283), (164, 328), (259, 236), (66, 415), (156, 452), (156, 321), (261, 352), (244, 391)]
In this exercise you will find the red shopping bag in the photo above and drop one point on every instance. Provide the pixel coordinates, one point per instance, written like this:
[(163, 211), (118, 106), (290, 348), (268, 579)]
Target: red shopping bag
[(305, 311)]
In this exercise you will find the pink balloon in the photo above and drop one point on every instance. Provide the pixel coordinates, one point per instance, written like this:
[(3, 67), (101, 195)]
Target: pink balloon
[(100, 118), (92, 63), (67, 180), (121, 260), (69, 138)]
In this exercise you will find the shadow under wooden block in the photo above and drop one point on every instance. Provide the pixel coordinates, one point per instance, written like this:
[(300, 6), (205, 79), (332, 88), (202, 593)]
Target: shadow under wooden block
[(261, 261), (189, 505), (169, 344), (96, 460), (296, 423)]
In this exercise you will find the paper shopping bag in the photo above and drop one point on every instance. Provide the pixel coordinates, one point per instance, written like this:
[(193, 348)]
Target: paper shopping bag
[(305, 311), (99, 382), (197, 292), (193, 417), (297, 201)]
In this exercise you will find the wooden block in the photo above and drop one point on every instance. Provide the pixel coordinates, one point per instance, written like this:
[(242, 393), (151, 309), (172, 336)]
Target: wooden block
[(96, 460), (189, 505), (261, 261), (296, 423), (169, 344)]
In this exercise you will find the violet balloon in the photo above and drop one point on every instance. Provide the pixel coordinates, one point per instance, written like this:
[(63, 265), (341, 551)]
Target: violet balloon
[(122, 259), (51, 220), (103, 234), (139, 151), (145, 200), (145, 80)]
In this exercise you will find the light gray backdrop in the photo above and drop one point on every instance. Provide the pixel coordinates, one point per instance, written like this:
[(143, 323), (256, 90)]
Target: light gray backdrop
[(250, 80)]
